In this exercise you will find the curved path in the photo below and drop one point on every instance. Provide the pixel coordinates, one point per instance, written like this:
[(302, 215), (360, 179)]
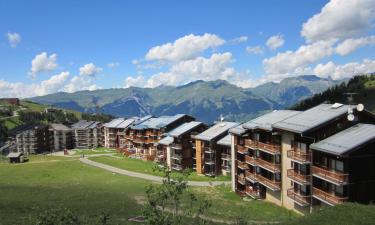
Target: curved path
[(147, 176)]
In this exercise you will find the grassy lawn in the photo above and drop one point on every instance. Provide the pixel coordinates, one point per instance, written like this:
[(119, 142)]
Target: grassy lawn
[(45, 183), (142, 166), (13, 122), (94, 151)]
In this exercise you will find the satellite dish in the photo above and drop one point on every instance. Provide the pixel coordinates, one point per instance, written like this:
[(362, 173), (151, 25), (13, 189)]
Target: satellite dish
[(360, 107), (350, 110), (350, 117)]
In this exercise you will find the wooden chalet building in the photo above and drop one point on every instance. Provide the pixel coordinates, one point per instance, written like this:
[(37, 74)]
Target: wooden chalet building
[(226, 160), (176, 149), (114, 132), (208, 154)]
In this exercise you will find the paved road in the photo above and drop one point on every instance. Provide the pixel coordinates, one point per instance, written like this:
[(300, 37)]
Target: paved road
[(146, 176)]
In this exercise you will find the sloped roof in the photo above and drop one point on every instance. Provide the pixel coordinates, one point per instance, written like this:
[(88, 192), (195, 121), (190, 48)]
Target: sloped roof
[(126, 123), (346, 140), (166, 141), (265, 122), (239, 130), (186, 127), (58, 126), (312, 118), (14, 154), (158, 122), (114, 123), (215, 131), (83, 124), (226, 141)]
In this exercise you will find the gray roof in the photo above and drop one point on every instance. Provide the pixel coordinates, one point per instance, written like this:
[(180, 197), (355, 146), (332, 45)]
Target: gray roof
[(83, 124), (58, 126), (239, 130), (158, 122), (312, 118), (126, 123), (346, 140), (186, 127), (114, 123), (226, 141), (14, 154), (265, 122), (215, 131), (166, 141)]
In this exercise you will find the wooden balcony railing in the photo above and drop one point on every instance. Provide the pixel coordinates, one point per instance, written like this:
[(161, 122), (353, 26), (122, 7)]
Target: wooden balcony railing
[(273, 185), (242, 149), (273, 167), (253, 193), (176, 167), (298, 155), (225, 156), (242, 165), (177, 146), (250, 160), (250, 143), (302, 200), (333, 176), (301, 178), (241, 179), (328, 197), (269, 148), (251, 175)]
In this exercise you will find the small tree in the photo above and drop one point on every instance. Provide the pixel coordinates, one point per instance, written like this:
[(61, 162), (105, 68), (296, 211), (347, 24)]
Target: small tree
[(171, 202)]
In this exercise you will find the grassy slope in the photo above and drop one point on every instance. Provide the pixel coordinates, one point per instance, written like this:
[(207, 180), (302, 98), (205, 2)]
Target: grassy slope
[(51, 182), (141, 166)]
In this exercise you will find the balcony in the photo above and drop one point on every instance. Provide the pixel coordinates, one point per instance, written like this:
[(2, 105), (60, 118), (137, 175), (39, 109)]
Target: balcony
[(272, 167), (177, 146), (328, 198), (299, 178), (251, 144), (299, 156), (335, 177), (225, 156), (208, 150), (241, 179), (255, 194), (177, 156), (273, 185), (176, 167), (250, 160), (242, 165), (300, 199), (242, 149), (209, 161), (269, 148), (251, 176)]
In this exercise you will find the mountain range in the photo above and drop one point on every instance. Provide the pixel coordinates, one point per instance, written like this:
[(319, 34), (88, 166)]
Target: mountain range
[(205, 100)]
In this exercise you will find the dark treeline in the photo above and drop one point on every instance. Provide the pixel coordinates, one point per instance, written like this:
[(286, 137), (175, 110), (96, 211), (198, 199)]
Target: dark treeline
[(3, 132), (337, 92)]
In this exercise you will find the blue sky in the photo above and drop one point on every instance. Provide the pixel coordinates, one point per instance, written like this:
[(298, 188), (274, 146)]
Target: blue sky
[(78, 45)]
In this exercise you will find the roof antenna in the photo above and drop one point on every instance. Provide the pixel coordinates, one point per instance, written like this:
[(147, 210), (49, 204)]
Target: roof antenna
[(360, 107), (221, 118)]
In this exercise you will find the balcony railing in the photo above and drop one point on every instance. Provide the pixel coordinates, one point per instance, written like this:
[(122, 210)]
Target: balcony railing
[(303, 200), (250, 160), (328, 197), (225, 156), (241, 179), (299, 156), (273, 185), (242, 149), (300, 178), (252, 192), (176, 167), (269, 148), (242, 165), (332, 176), (250, 143), (208, 150), (251, 175), (273, 167), (177, 146)]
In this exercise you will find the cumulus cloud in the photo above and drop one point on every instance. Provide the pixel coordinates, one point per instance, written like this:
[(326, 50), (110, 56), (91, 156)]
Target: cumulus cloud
[(89, 70), (239, 40), (275, 42), (340, 19), (113, 64), (257, 50), (53, 84), (187, 47), (79, 83), (13, 39), (138, 81), (288, 61), (350, 45), (43, 63), (346, 70)]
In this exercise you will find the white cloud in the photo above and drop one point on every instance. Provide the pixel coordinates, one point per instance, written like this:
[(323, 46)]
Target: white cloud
[(14, 39), (275, 42), (43, 63), (340, 19), (113, 64), (89, 70), (184, 48), (138, 81), (350, 45), (346, 70), (289, 61), (239, 40), (78, 83), (257, 50), (53, 84)]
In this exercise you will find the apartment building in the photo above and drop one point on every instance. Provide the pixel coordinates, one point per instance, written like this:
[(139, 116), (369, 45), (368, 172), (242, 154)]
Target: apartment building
[(114, 132), (87, 134), (276, 163), (144, 135), (208, 160), (62, 137), (176, 149), (36, 139), (226, 158)]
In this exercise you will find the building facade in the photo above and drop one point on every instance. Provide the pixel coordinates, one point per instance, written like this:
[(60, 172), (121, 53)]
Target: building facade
[(87, 134), (37, 139), (62, 137), (114, 132)]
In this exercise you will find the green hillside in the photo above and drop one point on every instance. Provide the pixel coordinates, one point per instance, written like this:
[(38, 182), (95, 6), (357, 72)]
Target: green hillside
[(363, 85)]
